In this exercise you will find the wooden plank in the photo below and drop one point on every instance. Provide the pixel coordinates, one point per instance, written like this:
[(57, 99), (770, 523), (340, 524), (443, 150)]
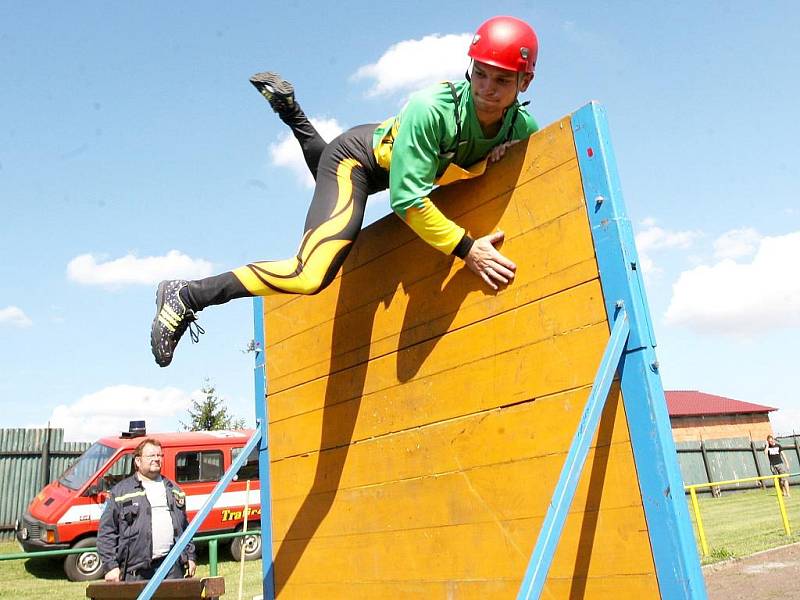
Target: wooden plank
[(627, 587), (532, 372), (169, 589), (518, 213), (490, 437), (484, 494), (603, 540), (549, 318), (433, 306)]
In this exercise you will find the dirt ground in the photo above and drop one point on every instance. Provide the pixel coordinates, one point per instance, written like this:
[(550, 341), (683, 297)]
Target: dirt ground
[(766, 575)]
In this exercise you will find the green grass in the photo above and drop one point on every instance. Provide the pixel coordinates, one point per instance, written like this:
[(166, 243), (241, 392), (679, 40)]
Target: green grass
[(740, 523), (35, 579)]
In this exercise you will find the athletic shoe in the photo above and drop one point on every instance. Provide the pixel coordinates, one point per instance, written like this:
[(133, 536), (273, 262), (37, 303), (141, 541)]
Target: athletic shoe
[(171, 320), (278, 92)]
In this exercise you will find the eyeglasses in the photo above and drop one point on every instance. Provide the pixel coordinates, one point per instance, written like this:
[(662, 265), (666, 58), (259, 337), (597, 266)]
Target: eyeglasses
[(152, 457)]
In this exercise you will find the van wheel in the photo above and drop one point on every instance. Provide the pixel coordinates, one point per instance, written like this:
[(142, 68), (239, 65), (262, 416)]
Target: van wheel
[(251, 544), (86, 566)]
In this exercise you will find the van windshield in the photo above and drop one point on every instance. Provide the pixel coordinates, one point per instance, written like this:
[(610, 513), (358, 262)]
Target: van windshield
[(86, 466)]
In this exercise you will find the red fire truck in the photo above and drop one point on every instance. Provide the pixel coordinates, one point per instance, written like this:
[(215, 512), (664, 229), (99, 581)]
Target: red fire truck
[(66, 513)]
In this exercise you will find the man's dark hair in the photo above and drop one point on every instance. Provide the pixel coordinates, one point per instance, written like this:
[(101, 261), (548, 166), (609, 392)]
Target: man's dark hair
[(145, 442)]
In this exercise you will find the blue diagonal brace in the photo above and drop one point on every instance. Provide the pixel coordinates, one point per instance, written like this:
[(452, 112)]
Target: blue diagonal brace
[(542, 557), (198, 519)]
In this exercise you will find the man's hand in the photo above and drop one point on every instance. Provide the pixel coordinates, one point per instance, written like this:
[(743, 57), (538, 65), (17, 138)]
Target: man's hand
[(113, 574), (191, 567), (499, 152), (487, 263)]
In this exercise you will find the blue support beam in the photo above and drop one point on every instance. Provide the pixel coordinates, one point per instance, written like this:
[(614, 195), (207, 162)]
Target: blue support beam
[(542, 557), (669, 527), (262, 416), (201, 515)]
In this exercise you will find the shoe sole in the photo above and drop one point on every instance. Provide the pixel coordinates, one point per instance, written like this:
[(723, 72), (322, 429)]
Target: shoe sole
[(153, 340), (273, 82)]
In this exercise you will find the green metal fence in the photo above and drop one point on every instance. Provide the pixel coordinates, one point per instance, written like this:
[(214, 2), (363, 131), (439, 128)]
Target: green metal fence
[(733, 459), (29, 460)]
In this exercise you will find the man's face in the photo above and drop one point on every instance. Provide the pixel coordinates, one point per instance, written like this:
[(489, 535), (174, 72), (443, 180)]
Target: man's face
[(149, 463), (495, 89)]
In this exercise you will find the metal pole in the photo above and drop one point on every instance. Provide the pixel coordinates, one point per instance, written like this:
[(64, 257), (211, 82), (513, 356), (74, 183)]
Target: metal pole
[(755, 460), (262, 416), (701, 532), (46, 457), (782, 506), (242, 545), (213, 550), (705, 464)]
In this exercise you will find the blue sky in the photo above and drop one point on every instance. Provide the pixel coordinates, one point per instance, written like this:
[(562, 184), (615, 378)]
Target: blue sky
[(132, 148)]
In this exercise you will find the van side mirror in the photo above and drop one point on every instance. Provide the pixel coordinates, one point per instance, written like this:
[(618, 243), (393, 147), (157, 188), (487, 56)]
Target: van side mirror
[(98, 487), (92, 490)]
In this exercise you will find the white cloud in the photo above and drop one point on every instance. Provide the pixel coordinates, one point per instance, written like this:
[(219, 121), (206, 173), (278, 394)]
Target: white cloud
[(736, 243), (785, 421), (654, 238), (742, 298), (287, 153), (14, 316), (133, 270), (109, 411), (412, 64)]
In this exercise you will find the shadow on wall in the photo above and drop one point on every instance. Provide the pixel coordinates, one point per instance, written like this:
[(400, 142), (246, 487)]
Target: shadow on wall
[(432, 304)]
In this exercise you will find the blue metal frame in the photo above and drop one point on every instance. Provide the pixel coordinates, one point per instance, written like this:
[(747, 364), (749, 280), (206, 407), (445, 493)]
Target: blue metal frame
[(198, 519), (542, 557), (671, 537), (267, 565)]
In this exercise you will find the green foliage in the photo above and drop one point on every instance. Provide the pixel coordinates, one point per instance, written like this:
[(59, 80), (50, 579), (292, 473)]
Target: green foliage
[(210, 413), (721, 554)]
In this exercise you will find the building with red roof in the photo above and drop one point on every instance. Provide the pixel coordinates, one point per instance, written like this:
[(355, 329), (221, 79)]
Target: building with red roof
[(699, 416)]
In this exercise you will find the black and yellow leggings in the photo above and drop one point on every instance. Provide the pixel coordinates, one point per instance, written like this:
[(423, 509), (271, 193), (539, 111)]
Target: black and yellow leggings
[(346, 173)]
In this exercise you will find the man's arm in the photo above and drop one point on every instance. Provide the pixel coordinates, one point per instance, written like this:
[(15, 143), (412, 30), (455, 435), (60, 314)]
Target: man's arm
[(415, 161), (188, 553), (108, 539)]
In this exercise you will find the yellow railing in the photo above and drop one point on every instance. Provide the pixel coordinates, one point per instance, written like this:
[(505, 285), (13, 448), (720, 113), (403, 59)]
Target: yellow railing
[(696, 505)]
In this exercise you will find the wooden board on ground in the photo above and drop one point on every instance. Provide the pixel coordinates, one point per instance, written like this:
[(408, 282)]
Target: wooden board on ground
[(170, 589)]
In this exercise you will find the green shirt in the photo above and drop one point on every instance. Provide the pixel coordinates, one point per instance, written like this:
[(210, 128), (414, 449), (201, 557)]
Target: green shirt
[(425, 140)]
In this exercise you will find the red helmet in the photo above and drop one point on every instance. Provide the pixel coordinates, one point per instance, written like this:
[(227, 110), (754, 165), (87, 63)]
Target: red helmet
[(505, 42)]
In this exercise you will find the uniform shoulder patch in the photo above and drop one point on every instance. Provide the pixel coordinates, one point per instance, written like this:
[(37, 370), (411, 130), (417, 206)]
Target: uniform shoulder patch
[(180, 498)]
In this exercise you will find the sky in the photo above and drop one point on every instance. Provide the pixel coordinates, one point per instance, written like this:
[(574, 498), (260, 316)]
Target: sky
[(134, 149)]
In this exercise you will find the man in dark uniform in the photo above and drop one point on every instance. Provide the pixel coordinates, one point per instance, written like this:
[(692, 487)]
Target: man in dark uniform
[(144, 515)]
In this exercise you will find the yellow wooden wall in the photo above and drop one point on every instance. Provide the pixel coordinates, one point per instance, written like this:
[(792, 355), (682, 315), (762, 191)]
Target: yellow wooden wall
[(419, 422)]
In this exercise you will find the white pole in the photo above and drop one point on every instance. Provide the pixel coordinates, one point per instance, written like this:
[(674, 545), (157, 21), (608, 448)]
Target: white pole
[(244, 530)]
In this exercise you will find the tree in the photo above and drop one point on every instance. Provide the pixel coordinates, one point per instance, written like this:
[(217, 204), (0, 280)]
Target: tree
[(210, 413)]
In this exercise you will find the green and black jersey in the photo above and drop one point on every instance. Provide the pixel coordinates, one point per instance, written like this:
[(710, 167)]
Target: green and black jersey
[(418, 145)]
